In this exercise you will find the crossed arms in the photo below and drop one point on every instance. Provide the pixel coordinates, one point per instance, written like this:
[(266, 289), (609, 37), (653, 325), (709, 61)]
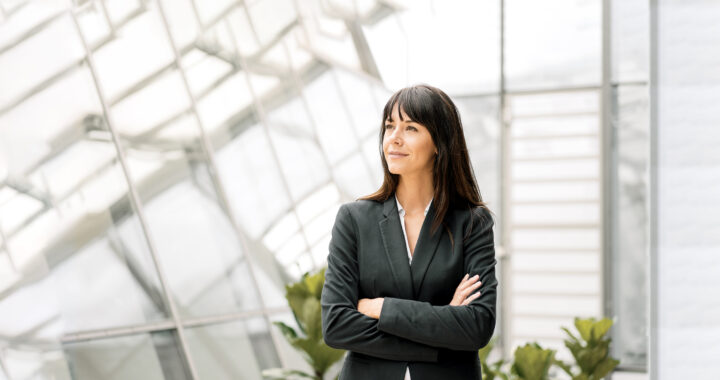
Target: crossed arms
[(408, 330)]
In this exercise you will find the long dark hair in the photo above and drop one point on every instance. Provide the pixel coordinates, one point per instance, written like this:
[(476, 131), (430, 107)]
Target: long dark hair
[(454, 181)]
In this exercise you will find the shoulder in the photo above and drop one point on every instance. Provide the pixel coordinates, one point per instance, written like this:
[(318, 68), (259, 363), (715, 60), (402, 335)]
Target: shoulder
[(481, 214), (472, 214), (359, 210), (477, 219), (361, 207)]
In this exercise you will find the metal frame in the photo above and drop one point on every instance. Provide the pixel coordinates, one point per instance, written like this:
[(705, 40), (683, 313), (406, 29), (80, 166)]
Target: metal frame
[(653, 207), (504, 156), (607, 183)]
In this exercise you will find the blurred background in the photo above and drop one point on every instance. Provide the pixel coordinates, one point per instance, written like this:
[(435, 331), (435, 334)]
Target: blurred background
[(166, 167)]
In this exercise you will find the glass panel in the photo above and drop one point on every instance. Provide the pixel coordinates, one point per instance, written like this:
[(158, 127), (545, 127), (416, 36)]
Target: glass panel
[(354, 177), (183, 20), (249, 171), (556, 214), (302, 161), (630, 35), (581, 169), (54, 49), (122, 10), (236, 350), (337, 127), (210, 10), (556, 191), (630, 223), (259, 201), (24, 17), (552, 148), (271, 17), (93, 23), (35, 361), (67, 221), (155, 356), (482, 134), (556, 238), (361, 102), (207, 75), (555, 283), (195, 238), (139, 51), (454, 45), (552, 44)]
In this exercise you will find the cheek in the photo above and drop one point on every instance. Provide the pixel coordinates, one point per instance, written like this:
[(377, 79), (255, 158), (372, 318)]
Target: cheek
[(386, 139), (428, 150)]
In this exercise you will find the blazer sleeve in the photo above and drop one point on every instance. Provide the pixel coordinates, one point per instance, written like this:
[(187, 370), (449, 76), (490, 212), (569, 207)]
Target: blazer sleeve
[(468, 327), (343, 325)]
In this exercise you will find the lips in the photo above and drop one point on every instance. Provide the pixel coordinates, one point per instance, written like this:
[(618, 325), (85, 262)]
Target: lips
[(396, 155)]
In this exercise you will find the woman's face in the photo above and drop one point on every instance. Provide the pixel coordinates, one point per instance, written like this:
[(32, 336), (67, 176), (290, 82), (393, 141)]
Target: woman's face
[(407, 145)]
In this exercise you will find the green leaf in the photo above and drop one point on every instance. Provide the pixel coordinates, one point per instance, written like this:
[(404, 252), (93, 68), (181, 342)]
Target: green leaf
[(573, 337), (584, 327), (532, 362), (312, 318), (565, 367), (304, 300), (287, 331), (604, 368), (600, 328), (315, 283), (592, 353), (318, 354)]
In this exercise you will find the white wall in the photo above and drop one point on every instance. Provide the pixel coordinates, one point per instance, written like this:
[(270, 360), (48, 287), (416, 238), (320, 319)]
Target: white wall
[(687, 334)]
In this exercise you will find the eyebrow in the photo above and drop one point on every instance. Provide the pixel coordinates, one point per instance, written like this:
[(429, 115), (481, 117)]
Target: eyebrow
[(407, 120)]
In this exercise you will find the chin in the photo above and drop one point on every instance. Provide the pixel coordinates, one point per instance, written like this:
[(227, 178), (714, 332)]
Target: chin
[(393, 170)]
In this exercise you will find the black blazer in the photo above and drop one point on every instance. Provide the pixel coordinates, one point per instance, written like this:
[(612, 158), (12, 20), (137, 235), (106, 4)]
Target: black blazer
[(417, 327)]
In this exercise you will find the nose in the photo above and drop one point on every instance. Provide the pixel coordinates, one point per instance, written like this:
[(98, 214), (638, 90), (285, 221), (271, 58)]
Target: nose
[(394, 136)]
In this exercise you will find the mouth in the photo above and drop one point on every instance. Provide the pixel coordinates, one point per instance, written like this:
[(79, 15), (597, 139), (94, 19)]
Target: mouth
[(396, 155)]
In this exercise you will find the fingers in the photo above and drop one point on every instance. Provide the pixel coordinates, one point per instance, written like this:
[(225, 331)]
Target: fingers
[(471, 284), (467, 282), (466, 292), (471, 298)]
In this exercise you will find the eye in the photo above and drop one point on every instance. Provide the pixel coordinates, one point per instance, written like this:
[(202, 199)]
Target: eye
[(388, 126), (410, 126)]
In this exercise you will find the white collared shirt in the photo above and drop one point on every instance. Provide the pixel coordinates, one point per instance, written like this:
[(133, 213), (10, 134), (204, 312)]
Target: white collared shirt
[(401, 213)]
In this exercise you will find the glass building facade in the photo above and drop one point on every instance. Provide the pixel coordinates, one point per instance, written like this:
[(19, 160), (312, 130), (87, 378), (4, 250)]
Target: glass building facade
[(167, 167)]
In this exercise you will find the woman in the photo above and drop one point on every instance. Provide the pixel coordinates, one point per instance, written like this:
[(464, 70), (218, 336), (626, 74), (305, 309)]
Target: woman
[(410, 288)]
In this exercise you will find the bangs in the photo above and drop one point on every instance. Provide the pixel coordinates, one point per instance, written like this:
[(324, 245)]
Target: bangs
[(415, 102)]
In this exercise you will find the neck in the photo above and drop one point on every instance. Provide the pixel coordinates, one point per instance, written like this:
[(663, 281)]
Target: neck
[(414, 192)]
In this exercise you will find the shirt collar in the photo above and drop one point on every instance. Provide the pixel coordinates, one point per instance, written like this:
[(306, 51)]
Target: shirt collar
[(401, 210)]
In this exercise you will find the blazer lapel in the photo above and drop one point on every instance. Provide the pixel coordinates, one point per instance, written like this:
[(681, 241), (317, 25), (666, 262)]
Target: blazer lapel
[(395, 249), (424, 249), (408, 277)]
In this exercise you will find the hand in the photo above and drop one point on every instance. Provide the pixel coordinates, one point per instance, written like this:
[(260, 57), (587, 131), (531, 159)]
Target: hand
[(370, 307), (462, 293)]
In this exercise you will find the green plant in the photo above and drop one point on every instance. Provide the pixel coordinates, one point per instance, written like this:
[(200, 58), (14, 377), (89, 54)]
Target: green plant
[(592, 352), (532, 362), (304, 300), (494, 370)]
